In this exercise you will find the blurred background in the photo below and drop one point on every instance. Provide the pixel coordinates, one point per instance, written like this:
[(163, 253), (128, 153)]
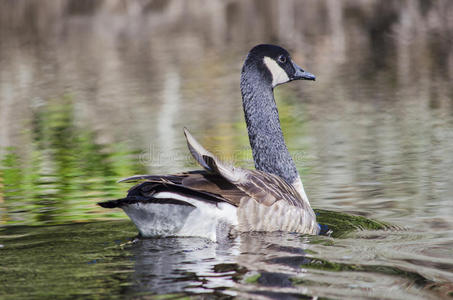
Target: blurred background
[(92, 91)]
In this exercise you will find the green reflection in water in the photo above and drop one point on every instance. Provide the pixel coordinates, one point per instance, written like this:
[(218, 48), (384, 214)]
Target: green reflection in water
[(79, 260), (64, 173), (341, 224)]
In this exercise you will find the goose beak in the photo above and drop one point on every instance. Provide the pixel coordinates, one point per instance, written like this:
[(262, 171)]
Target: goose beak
[(301, 74)]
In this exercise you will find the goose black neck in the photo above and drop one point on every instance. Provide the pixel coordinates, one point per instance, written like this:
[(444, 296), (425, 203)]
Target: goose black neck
[(263, 125)]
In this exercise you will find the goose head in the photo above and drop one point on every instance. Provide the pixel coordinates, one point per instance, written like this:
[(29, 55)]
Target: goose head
[(274, 65)]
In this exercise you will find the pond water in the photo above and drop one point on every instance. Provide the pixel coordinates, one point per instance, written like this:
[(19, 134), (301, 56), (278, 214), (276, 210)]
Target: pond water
[(93, 91)]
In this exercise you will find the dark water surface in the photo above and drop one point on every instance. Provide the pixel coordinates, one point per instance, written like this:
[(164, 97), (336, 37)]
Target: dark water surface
[(93, 91)]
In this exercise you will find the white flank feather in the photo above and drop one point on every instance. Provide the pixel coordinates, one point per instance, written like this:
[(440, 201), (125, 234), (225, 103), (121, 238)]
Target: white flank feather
[(206, 220)]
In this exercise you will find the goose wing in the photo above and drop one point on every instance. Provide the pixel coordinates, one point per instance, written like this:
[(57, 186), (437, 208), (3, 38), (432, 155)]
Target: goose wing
[(218, 182), (201, 184), (263, 187)]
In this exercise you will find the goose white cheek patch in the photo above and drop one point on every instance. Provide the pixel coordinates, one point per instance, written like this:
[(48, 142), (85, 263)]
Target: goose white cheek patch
[(279, 75)]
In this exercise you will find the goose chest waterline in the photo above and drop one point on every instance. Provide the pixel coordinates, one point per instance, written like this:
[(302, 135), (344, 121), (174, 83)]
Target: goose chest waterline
[(222, 199)]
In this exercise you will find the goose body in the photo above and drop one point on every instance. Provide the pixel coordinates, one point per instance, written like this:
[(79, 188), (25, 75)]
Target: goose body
[(223, 199)]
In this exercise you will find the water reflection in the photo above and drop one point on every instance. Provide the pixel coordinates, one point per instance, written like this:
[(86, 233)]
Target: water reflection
[(190, 265), (65, 170), (284, 265), (104, 261)]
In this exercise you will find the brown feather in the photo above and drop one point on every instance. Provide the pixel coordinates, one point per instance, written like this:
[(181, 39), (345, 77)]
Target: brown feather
[(265, 188)]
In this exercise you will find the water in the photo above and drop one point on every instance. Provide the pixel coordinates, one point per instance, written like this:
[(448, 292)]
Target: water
[(93, 92)]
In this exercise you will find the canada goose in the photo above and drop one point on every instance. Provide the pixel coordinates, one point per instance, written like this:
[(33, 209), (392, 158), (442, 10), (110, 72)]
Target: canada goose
[(223, 199)]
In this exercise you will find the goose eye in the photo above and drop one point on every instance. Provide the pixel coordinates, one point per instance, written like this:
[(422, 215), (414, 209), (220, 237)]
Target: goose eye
[(282, 59)]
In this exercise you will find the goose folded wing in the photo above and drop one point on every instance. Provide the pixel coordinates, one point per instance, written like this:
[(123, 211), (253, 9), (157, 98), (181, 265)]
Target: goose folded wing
[(263, 187), (201, 185), (267, 189)]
